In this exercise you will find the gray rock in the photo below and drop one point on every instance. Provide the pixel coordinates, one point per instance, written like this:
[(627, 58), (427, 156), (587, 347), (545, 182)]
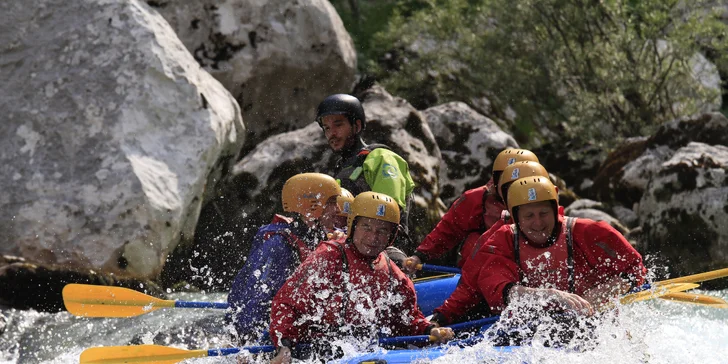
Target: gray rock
[(110, 134), (625, 174), (598, 215), (683, 211), (626, 215), (279, 58), (637, 173), (469, 142), (581, 204)]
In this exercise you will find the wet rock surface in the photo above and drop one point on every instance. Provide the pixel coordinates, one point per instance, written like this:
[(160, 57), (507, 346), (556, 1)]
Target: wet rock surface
[(24, 285)]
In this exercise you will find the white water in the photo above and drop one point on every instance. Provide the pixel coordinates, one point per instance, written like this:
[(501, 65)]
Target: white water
[(659, 332)]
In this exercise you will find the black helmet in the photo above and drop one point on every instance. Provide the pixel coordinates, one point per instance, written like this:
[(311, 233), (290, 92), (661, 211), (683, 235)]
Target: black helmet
[(342, 104)]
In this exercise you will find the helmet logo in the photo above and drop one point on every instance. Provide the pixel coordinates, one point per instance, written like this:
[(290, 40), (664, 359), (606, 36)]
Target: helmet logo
[(516, 172), (511, 161), (381, 210), (532, 194), (347, 208), (312, 196), (389, 171)]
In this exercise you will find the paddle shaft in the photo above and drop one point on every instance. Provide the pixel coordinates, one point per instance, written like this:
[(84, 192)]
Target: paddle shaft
[(438, 268), (192, 304)]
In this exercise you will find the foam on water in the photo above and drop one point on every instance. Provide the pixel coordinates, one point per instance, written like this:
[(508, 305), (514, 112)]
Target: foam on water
[(655, 331)]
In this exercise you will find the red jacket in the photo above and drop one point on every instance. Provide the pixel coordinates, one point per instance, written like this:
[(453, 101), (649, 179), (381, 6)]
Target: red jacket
[(321, 299), (599, 252), (475, 211)]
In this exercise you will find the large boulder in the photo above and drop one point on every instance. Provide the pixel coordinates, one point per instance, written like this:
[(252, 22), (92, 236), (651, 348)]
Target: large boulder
[(110, 132), (684, 209), (624, 175), (279, 58), (251, 197), (469, 142)]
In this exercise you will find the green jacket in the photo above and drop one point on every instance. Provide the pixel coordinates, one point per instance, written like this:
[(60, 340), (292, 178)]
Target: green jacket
[(379, 170)]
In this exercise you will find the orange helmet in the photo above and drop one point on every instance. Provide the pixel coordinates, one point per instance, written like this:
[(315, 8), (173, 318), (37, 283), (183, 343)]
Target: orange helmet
[(516, 171), (510, 156), (307, 193), (529, 190), (374, 205)]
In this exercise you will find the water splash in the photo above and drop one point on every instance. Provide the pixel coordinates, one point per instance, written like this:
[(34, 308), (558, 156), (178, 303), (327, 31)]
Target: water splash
[(654, 331)]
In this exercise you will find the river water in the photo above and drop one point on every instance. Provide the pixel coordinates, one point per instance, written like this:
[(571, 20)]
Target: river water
[(654, 331)]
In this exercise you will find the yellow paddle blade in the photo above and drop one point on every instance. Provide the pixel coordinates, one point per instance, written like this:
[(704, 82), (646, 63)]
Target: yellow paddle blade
[(714, 274), (657, 292), (138, 354), (700, 299), (103, 301)]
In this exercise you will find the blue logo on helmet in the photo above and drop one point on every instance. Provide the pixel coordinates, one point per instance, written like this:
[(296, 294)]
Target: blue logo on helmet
[(516, 172), (347, 208), (532, 194), (511, 161), (381, 210)]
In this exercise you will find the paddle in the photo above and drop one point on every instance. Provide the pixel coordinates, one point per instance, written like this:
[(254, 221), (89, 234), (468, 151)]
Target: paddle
[(437, 268), (700, 277), (699, 299), (157, 354), (658, 291), (104, 301), (165, 354)]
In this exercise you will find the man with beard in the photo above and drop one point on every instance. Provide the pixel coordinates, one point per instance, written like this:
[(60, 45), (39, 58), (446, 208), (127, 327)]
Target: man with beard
[(364, 167)]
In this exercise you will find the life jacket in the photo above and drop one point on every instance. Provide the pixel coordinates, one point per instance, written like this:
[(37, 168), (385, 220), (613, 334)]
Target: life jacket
[(351, 176), (281, 226), (343, 315), (549, 267)]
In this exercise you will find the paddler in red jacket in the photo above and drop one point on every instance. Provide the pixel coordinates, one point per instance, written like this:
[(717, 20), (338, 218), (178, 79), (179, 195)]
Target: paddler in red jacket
[(472, 214), (350, 288), (569, 264)]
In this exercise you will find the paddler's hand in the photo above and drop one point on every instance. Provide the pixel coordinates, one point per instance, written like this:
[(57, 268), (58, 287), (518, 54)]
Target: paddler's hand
[(283, 356), (570, 301), (442, 334), (410, 264), (556, 299)]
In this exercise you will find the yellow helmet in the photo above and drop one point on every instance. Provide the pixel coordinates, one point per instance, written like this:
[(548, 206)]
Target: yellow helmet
[(530, 190), (344, 201), (373, 205), (510, 156), (516, 171), (307, 193)]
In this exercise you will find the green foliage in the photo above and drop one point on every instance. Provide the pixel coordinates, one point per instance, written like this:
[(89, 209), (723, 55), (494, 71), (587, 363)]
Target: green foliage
[(595, 70), (364, 18)]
